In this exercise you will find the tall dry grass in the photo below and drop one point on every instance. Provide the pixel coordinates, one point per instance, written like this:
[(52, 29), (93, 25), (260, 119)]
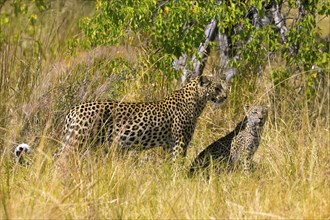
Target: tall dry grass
[(292, 175)]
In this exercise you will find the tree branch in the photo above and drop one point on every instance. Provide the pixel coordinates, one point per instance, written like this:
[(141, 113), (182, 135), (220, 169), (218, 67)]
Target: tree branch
[(197, 63)]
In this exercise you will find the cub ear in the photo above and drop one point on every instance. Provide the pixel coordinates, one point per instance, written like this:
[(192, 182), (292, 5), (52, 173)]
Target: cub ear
[(204, 81), (246, 108)]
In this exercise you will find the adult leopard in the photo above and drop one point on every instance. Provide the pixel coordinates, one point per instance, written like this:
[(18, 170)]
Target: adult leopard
[(169, 123)]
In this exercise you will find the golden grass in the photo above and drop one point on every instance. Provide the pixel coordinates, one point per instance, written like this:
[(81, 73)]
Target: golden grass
[(291, 181), (293, 160)]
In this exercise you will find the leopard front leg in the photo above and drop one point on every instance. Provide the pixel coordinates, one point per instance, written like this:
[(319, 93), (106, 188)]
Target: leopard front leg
[(181, 132), (179, 149), (247, 162)]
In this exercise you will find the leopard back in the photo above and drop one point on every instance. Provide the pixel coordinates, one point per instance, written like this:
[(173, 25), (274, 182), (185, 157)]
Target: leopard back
[(140, 125)]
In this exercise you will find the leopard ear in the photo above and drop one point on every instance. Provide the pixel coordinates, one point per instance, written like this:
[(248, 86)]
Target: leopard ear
[(246, 108), (266, 107), (204, 81)]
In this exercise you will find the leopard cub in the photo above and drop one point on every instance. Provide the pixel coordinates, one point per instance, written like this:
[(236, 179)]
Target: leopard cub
[(238, 146)]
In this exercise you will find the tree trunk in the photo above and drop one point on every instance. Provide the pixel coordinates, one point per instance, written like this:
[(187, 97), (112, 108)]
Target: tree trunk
[(195, 66)]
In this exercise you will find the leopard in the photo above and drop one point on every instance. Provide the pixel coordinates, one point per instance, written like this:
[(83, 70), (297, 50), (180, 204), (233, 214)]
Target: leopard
[(169, 122), (237, 148)]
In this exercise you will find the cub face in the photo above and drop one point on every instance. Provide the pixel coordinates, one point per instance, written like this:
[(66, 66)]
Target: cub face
[(256, 115)]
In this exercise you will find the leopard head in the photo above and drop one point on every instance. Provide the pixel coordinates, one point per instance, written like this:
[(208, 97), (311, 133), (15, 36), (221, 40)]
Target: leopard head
[(212, 89), (256, 115)]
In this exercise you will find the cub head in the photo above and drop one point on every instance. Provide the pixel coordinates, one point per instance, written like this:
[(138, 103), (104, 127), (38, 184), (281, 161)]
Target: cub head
[(213, 90), (256, 115)]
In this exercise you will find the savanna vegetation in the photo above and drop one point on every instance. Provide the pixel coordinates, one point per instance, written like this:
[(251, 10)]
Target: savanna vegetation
[(56, 54)]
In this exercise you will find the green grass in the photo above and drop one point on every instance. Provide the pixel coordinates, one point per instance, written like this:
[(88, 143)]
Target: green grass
[(293, 168)]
